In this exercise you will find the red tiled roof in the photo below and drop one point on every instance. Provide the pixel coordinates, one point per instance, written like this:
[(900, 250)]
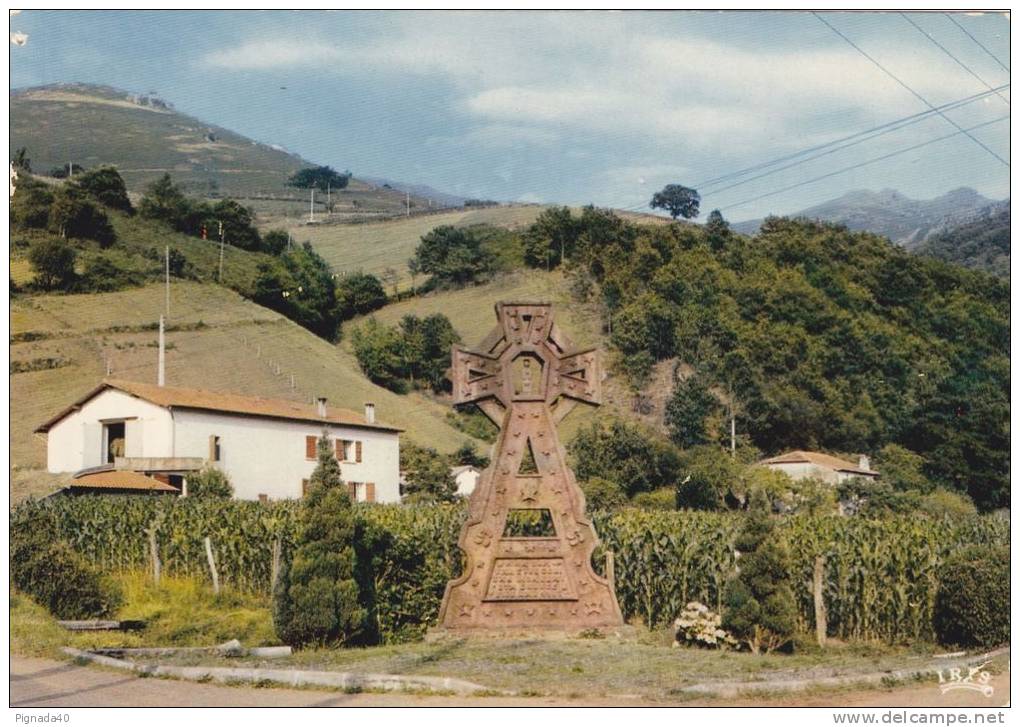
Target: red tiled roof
[(121, 480), (818, 458), (218, 401)]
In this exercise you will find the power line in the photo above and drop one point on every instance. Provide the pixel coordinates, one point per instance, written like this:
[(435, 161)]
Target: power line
[(903, 121), (916, 95), (869, 161), (945, 50), (978, 42), (835, 149)]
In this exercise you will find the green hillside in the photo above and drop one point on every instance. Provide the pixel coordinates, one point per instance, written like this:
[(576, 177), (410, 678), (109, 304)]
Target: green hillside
[(373, 247), (62, 344), (981, 243), (144, 137)]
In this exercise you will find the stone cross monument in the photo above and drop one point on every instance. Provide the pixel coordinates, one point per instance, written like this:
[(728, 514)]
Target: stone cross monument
[(527, 542)]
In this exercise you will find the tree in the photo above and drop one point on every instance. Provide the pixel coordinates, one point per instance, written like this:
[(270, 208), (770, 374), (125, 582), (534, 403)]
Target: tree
[(238, 224), (66, 171), (453, 256), (717, 231), (21, 161), (164, 201), (106, 186), (902, 469), (601, 494), (707, 475), (210, 482), (678, 200), (357, 294), (317, 599), (321, 178), (687, 409), (426, 346), (379, 350), (52, 260), (760, 609), (275, 242), (299, 284), (467, 454), (623, 453), (552, 236), (427, 476), (73, 215)]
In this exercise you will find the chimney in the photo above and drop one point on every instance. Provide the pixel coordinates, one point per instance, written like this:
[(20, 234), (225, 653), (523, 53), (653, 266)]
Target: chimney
[(321, 405), (369, 412), (864, 462)]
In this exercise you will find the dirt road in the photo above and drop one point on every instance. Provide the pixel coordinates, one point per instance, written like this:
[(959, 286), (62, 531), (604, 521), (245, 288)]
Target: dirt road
[(47, 683)]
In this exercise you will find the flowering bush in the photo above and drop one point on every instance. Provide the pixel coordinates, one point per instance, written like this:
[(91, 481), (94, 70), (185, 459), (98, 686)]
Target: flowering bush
[(697, 625)]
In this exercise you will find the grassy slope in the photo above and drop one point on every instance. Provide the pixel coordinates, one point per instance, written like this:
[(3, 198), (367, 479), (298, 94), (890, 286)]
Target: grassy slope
[(86, 330), (93, 125), (373, 247)]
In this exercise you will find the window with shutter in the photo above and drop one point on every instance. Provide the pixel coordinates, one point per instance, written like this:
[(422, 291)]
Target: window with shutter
[(338, 447), (369, 492), (357, 451), (263, 497), (214, 448), (352, 490), (310, 443)]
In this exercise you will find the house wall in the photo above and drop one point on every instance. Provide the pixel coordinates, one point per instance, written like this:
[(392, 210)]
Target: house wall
[(75, 442), (267, 456)]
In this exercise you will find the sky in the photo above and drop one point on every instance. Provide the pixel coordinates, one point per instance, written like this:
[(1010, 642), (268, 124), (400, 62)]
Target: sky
[(569, 107)]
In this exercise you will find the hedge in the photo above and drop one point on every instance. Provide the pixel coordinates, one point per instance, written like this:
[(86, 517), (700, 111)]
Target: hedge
[(881, 575)]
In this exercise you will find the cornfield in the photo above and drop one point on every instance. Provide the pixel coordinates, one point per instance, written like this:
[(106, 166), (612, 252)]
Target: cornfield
[(880, 575)]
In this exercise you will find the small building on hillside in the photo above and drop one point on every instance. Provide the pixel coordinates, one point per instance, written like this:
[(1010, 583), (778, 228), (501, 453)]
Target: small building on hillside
[(466, 477), (801, 465), (267, 447)]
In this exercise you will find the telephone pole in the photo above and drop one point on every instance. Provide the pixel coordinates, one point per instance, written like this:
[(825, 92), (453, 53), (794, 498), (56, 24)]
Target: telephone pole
[(161, 372), (220, 278), (168, 281), (407, 200), (311, 207)]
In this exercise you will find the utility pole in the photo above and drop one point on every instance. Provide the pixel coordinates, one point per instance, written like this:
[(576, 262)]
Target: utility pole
[(168, 281), (329, 197), (220, 279), (407, 201), (161, 373), (311, 207)]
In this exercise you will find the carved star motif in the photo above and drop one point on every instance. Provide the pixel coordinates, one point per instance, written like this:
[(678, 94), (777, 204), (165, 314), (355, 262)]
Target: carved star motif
[(465, 611), (529, 492), (483, 538), (592, 608), (575, 537)]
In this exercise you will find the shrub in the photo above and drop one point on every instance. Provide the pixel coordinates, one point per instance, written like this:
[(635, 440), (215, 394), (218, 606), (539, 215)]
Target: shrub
[(760, 610), (106, 186), (359, 293), (210, 482), (427, 475), (601, 494), (102, 275), (624, 453), (317, 600), (30, 206), (946, 503), (72, 214), (453, 256), (972, 605), (707, 475), (662, 499), (52, 260), (53, 574), (698, 625)]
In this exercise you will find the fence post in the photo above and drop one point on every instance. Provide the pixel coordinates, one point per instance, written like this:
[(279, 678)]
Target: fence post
[(611, 570), (212, 566), (275, 566), (821, 619), (154, 555)]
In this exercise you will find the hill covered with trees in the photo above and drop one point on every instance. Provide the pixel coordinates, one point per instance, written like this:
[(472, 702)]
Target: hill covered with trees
[(981, 243)]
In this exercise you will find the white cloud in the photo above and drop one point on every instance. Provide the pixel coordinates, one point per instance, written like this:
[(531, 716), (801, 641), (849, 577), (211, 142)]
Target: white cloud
[(275, 53), (19, 38), (526, 78)]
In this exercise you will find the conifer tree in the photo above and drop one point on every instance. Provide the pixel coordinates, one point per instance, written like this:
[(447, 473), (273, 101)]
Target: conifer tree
[(317, 600), (760, 610)]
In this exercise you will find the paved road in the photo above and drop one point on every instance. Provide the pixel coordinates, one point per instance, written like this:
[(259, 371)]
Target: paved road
[(47, 683)]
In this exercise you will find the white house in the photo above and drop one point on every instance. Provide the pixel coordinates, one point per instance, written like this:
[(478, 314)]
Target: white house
[(800, 465), (267, 447), (466, 477)]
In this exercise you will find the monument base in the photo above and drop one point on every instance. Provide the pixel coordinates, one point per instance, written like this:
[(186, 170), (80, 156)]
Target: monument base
[(531, 633)]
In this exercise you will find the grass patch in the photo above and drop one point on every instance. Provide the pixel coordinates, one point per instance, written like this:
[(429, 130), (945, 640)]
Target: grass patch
[(179, 612)]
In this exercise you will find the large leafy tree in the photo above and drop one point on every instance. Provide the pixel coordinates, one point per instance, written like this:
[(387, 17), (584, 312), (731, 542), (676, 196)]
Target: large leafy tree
[(321, 178), (317, 600), (164, 201), (106, 186), (52, 260), (453, 256), (73, 215), (687, 411), (624, 453), (678, 200)]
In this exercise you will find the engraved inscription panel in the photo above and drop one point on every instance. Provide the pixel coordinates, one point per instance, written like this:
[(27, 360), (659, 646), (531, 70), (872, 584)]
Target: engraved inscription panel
[(529, 579)]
